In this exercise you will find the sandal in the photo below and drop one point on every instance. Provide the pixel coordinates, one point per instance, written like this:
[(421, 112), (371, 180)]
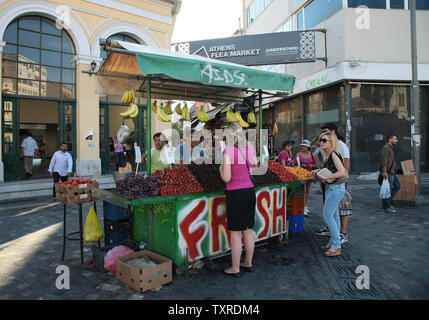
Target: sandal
[(333, 253), (247, 269), (327, 247), (235, 275)]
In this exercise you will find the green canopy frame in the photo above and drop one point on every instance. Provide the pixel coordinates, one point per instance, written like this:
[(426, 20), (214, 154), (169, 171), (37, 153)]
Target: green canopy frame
[(163, 74)]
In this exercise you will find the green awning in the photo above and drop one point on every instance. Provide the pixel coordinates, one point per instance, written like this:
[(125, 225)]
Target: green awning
[(211, 72)]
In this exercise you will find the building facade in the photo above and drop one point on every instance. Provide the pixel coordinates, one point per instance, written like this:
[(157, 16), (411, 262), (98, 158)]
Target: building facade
[(364, 84), (45, 46)]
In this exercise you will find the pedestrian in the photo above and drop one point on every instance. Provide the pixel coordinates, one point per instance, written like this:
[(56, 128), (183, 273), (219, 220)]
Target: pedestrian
[(388, 170), (189, 151), (345, 153), (61, 165), (305, 159), (285, 156), (119, 153), (240, 198), (160, 154), (28, 150), (111, 151), (42, 150), (317, 151), (334, 191)]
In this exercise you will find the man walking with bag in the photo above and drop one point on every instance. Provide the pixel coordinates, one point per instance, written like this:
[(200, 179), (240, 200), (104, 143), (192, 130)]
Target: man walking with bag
[(28, 150), (388, 171), (61, 165)]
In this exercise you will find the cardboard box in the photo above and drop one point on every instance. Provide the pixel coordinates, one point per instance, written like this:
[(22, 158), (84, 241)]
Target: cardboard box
[(408, 169), (406, 196), (144, 279)]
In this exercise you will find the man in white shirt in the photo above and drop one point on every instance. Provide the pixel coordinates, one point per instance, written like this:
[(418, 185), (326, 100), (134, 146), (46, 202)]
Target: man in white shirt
[(61, 165), (345, 153), (28, 150)]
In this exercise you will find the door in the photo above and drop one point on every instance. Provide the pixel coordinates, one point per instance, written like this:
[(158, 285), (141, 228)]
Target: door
[(104, 139), (67, 128), (10, 131)]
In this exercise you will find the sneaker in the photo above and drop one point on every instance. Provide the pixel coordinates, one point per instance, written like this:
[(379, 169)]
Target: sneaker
[(323, 232), (306, 211), (390, 210), (344, 238)]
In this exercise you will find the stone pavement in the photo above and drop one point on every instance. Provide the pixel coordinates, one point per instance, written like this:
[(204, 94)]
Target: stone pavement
[(394, 247)]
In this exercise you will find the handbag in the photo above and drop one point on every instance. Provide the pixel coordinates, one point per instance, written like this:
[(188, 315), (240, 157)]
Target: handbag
[(326, 173), (248, 169), (345, 205)]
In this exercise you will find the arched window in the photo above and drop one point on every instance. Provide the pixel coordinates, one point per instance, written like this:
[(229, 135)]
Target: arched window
[(121, 37), (37, 59)]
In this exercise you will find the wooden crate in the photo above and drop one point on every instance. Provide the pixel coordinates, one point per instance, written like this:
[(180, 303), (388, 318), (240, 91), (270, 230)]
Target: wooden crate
[(406, 196)]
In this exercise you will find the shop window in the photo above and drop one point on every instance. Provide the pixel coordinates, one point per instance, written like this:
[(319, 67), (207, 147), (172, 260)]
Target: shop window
[(420, 4)]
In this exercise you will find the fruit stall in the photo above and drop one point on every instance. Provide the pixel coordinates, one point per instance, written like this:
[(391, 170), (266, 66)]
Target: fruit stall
[(180, 212)]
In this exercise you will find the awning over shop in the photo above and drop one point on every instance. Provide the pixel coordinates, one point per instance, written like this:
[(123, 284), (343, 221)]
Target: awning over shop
[(181, 76)]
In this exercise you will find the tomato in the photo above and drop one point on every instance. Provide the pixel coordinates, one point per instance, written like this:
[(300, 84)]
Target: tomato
[(89, 181), (80, 180), (60, 182), (74, 183)]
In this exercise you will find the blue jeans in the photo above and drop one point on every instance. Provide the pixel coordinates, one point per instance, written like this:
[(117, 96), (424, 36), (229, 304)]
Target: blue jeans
[(395, 186), (333, 195)]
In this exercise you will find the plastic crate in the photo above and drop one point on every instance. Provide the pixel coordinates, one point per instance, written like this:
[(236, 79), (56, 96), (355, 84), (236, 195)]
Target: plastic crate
[(120, 226), (113, 212), (114, 238), (296, 223), (295, 206), (298, 192)]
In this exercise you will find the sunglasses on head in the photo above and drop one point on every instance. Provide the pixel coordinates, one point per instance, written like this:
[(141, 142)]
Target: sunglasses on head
[(324, 140)]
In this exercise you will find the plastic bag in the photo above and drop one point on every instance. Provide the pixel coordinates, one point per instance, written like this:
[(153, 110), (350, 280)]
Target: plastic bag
[(385, 189), (110, 257), (92, 231)]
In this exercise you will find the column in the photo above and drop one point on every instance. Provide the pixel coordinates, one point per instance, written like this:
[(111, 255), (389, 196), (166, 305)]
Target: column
[(88, 162), (2, 44)]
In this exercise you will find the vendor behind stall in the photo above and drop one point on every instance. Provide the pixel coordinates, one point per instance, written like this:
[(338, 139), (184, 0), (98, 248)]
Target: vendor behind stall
[(159, 154)]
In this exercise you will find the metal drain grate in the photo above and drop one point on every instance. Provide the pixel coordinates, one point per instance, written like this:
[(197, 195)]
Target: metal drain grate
[(348, 286)]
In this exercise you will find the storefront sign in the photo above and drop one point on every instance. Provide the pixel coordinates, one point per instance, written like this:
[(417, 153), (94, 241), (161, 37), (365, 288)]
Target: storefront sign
[(203, 226), (317, 82), (259, 49)]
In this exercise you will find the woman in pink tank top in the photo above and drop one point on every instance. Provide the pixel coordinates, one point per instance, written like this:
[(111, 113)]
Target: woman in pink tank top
[(305, 159), (240, 199)]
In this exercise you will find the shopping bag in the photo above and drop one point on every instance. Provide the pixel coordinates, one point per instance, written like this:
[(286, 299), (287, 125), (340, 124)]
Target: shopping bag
[(92, 231), (345, 205), (385, 189)]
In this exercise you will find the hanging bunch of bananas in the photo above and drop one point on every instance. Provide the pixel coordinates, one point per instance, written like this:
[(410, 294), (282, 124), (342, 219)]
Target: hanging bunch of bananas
[(178, 110), (185, 113), (162, 116), (132, 111), (275, 130), (168, 109), (242, 123), (251, 117), (202, 115), (230, 116), (153, 106), (128, 97)]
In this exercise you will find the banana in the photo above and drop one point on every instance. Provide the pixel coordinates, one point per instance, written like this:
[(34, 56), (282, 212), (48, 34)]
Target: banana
[(251, 118), (135, 114), (275, 130), (168, 109), (230, 116), (131, 109), (202, 115), (243, 123), (132, 97), (185, 113), (178, 110), (125, 97), (153, 106), (161, 114)]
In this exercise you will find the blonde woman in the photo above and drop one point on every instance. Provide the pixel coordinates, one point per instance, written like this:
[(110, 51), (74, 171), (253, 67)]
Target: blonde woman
[(240, 198), (334, 190)]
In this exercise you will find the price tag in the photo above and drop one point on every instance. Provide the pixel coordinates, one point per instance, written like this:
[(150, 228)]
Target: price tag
[(266, 151), (83, 186), (138, 153), (222, 146), (83, 196)]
